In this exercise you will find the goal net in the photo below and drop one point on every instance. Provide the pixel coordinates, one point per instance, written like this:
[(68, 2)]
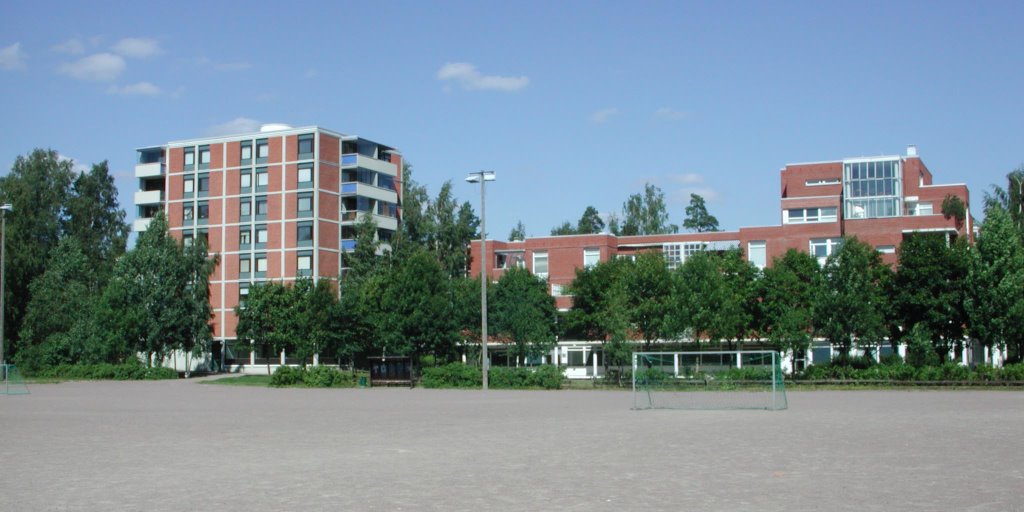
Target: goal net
[(11, 382), (737, 379)]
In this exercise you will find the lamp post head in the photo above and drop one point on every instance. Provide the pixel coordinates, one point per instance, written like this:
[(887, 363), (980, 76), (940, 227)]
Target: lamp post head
[(475, 177)]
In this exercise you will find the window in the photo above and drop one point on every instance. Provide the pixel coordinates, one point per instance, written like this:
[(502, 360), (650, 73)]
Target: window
[(261, 206), (246, 181), (386, 182), (204, 183), (886, 249), (261, 263), (591, 257), (920, 209), (245, 208), (872, 188), (204, 157), (204, 210), (509, 260), (204, 235), (822, 248), (822, 181), (244, 237), (261, 234), (540, 263), (246, 152), (188, 213), (304, 264), (305, 205), (305, 174), (387, 209), (243, 294), (262, 151), (187, 239), (557, 290), (244, 265), (190, 158), (757, 253), (190, 185), (805, 215), (304, 232), (262, 179), (306, 146), (677, 254)]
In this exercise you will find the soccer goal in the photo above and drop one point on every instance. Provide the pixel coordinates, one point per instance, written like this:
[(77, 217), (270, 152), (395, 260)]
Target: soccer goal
[(11, 382), (736, 379)]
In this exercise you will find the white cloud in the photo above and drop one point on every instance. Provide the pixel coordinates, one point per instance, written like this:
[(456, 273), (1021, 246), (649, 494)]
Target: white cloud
[(139, 89), (99, 67), (467, 76), (688, 178), (603, 115), (75, 166), (221, 66), (13, 57), (236, 125), (137, 47), (71, 47), (671, 114)]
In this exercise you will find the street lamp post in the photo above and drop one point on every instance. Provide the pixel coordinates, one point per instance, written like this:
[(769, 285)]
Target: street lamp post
[(482, 177), (4, 208)]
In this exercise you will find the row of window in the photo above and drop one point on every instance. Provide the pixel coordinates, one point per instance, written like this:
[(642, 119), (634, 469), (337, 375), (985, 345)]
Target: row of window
[(257, 264), (306, 149), (806, 215), (305, 177), (303, 235)]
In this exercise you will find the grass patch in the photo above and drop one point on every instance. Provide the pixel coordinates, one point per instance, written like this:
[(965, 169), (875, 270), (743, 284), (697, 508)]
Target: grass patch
[(242, 380)]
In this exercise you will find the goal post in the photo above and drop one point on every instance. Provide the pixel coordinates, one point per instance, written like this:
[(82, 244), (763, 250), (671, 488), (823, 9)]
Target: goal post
[(728, 379), (11, 382)]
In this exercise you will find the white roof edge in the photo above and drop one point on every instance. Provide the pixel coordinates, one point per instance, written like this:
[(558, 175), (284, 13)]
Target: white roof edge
[(943, 185), (811, 163), (259, 135), (810, 197)]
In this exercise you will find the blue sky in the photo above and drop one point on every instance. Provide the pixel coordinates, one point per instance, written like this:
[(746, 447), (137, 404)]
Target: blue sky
[(571, 103)]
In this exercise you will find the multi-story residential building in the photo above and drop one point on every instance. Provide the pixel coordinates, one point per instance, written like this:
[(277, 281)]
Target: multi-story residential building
[(877, 199), (278, 204)]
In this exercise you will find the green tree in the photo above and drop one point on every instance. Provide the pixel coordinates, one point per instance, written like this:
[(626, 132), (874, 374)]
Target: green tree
[(312, 322), (788, 290), (929, 288), (454, 227), (363, 261), (518, 233), (196, 267), (59, 325), (697, 217), (416, 312), (265, 319), (850, 305), (525, 313), (590, 222), (96, 220), (1010, 199), (599, 309), (151, 301), (715, 296), (645, 214), (416, 226), (37, 188), (649, 298), (954, 208), (995, 295), (565, 228)]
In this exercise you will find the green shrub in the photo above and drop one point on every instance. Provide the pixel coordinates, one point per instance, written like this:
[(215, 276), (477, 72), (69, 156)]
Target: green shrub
[(285, 376), (104, 371), (548, 376), (892, 359), (1012, 372), (327, 377), (501, 377), (452, 375)]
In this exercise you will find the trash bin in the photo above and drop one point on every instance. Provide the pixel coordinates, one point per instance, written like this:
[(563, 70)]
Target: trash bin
[(362, 381)]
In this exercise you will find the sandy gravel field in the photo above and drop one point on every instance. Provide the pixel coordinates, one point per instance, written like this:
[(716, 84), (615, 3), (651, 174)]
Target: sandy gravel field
[(180, 445)]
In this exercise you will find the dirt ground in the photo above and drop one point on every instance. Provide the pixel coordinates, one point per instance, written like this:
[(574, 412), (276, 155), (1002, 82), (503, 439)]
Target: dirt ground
[(180, 445)]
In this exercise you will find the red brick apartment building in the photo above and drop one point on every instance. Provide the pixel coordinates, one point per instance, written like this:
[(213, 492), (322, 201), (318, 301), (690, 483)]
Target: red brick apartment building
[(277, 204), (877, 199)]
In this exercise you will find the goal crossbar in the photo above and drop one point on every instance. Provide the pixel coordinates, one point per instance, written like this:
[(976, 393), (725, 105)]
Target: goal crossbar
[(708, 380)]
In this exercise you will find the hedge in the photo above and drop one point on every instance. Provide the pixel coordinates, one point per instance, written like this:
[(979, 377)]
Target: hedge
[(314, 377), (105, 371), (902, 372), (459, 375)]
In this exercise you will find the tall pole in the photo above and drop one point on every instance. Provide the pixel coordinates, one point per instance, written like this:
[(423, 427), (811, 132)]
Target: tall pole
[(3, 254), (483, 284)]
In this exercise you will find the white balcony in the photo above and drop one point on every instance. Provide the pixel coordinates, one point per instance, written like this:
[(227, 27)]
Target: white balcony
[(149, 170), (149, 197), (372, 164), (141, 225), (362, 189)]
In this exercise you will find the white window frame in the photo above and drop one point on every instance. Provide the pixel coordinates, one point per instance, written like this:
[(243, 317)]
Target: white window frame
[(830, 245), (308, 200), (244, 266), (591, 257), (246, 180), (305, 174), (189, 185), (762, 247), (246, 147), (261, 264), (307, 259), (262, 178), (539, 256), (261, 235)]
